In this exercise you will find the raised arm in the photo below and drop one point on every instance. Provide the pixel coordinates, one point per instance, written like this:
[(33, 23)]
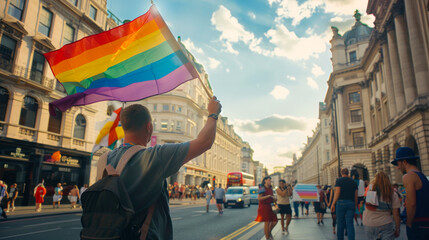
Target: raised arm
[(206, 137)]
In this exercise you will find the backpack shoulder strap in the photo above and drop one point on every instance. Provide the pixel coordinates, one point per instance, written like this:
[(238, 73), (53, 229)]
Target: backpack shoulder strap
[(126, 157), (101, 165)]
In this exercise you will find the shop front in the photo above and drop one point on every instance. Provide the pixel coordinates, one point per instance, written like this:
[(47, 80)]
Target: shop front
[(28, 164)]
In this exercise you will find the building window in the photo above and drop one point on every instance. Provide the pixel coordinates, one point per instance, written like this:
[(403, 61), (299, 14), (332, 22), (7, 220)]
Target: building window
[(356, 115), (327, 138), (29, 112), (45, 21), (74, 2), (54, 124), (4, 100), (165, 107), (328, 156), (37, 67), (7, 52), (352, 56), (164, 125), (179, 126), (179, 109), (16, 7), (79, 127), (68, 34), (154, 124), (155, 107), (354, 97), (358, 139), (93, 12), (173, 108)]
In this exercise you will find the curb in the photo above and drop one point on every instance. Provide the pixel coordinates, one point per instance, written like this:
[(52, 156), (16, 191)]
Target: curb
[(24, 216)]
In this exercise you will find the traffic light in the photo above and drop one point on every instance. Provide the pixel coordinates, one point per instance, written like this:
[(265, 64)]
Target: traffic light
[(214, 181)]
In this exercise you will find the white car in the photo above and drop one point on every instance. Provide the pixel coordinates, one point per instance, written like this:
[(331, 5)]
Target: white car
[(237, 197)]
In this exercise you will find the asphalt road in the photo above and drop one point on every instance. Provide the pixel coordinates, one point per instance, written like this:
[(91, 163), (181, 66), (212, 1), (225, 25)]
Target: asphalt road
[(189, 222)]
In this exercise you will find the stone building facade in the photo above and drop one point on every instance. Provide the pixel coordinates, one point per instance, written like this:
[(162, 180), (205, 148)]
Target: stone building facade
[(396, 69), (347, 101), (28, 134)]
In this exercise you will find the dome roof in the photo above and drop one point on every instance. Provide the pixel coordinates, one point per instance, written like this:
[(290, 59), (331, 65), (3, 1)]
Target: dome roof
[(358, 33)]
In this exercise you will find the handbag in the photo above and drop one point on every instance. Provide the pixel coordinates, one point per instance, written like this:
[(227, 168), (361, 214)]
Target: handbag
[(275, 209), (371, 196)]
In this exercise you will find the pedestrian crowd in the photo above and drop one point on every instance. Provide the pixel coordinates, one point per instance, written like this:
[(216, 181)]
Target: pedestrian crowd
[(378, 206), (9, 194)]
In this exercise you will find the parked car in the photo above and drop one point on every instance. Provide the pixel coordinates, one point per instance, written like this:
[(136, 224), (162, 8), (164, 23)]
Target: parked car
[(237, 197), (254, 195)]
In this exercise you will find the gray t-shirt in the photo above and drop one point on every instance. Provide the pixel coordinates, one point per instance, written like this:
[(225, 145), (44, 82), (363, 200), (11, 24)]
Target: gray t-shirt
[(144, 178), (219, 193)]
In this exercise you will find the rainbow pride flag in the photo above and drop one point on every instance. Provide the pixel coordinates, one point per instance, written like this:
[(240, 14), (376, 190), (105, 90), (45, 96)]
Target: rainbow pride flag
[(111, 132), (305, 192), (133, 61)]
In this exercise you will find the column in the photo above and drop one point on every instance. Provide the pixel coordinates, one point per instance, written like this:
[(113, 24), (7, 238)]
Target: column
[(418, 52), (389, 82), (366, 111), (341, 124), (396, 71), (405, 60)]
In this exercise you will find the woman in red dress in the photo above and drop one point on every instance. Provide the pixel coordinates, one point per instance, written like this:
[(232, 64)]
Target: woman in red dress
[(39, 194), (265, 212)]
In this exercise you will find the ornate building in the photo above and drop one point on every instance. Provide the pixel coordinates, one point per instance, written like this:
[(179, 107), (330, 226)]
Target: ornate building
[(28, 134), (396, 68), (178, 116), (347, 101)]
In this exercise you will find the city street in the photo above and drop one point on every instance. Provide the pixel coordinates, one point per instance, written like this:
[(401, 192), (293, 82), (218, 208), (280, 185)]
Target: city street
[(190, 221)]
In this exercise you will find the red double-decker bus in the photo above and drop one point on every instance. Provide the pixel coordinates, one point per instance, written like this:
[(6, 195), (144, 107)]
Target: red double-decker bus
[(240, 179)]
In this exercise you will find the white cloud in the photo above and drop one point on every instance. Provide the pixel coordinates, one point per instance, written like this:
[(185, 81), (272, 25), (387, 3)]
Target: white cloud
[(213, 63), (311, 83), (317, 70), (291, 78), (292, 9), (233, 32), (289, 45), (336, 19), (227, 70), (309, 31), (252, 15), (280, 92), (191, 46)]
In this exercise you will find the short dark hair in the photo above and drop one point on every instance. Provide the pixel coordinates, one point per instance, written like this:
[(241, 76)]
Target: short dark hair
[(134, 117), (344, 171), (282, 180), (265, 178)]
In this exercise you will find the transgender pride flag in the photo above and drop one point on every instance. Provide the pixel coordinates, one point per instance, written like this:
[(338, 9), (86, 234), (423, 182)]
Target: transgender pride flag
[(136, 60), (305, 192)]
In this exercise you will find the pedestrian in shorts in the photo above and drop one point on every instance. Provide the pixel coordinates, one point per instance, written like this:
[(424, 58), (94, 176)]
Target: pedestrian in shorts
[(283, 194)]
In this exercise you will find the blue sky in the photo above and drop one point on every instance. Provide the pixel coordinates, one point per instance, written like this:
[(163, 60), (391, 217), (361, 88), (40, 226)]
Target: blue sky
[(268, 61)]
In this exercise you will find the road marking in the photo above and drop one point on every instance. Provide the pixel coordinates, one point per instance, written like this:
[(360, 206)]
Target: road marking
[(30, 233), (47, 223), (252, 232), (196, 215), (174, 219), (240, 231)]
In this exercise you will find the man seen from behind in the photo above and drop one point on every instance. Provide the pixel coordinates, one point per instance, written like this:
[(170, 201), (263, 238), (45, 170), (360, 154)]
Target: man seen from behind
[(145, 173)]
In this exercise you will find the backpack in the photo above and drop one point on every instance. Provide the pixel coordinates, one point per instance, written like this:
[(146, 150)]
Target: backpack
[(108, 212)]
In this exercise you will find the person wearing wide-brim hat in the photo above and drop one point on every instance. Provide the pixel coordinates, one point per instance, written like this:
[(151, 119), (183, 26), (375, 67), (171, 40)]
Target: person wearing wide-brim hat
[(417, 189)]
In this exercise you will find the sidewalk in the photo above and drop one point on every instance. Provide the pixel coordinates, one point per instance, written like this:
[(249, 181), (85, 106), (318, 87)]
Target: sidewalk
[(48, 210), (305, 227)]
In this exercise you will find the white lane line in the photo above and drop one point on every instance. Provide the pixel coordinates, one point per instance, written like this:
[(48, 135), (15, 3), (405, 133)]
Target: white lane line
[(76, 228), (196, 215), (30, 233), (174, 219), (48, 223), (252, 232)]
